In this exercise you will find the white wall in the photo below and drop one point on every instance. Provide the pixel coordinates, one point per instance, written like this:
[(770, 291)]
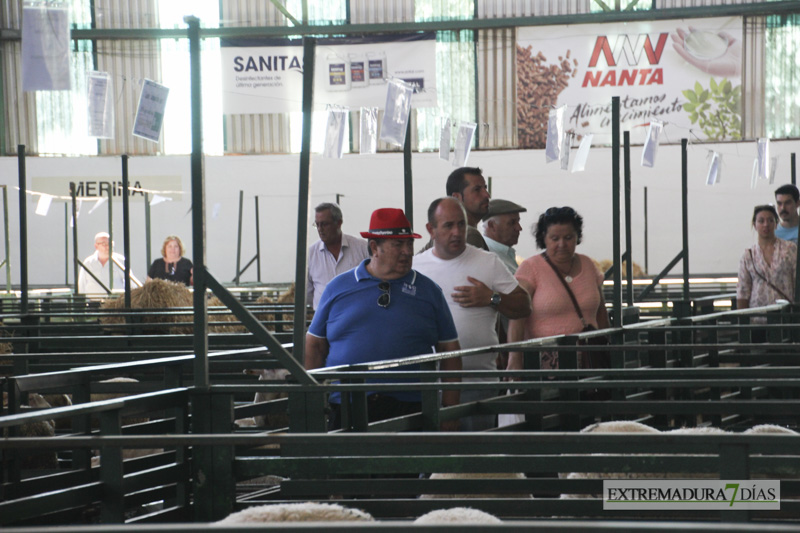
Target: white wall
[(719, 216)]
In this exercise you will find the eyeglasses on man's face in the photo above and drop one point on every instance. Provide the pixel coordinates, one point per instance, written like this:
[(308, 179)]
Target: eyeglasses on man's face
[(385, 298)]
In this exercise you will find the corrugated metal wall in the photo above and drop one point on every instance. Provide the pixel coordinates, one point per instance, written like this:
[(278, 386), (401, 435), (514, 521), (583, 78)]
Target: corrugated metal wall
[(753, 83), (497, 79), (128, 64), (377, 12), (20, 108), (254, 133), (529, 8), (270, 133), (380, 11)]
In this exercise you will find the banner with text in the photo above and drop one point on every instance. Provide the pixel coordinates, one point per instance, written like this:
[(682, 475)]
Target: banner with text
[(686, 73), (266, 75), (103, 186)]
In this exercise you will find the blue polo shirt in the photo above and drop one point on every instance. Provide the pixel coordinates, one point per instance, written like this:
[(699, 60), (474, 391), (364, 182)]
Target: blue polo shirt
[(358, 330)]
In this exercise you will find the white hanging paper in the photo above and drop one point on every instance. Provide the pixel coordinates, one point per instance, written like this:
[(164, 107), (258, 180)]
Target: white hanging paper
[(150, 113), (763, 158), (444, 140), (754, 176), (45, 49), (43, 206), (398, 108), (579, 163), (101, 109), (158, 199), (773, 164), (565, 151), (651, 143), (714, 169), (216, 209), (369, 130), (334, 134), (100, 201), (466, 131), (556, 124)]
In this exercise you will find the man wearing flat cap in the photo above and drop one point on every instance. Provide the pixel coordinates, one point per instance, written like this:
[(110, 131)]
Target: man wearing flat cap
[(381, 310), (501, 230)]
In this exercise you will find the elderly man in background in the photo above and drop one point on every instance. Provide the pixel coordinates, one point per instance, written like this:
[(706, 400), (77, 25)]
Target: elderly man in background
[(501, 231), (477, 287), (335, 252), (100, 265), (381, 310)]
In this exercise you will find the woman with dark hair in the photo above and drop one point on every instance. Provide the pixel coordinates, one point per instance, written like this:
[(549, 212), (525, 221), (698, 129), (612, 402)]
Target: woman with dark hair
[(172, 266), (549, 277), (766, 269)]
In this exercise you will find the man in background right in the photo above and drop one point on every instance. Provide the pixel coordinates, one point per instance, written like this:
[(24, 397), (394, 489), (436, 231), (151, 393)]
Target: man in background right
[(786, 200)]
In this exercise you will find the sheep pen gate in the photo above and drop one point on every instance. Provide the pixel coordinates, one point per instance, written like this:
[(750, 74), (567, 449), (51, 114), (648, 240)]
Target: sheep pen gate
[(667, 373)]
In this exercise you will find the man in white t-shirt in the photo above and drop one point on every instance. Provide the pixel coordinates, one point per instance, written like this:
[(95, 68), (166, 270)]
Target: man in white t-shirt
[(477, 286)]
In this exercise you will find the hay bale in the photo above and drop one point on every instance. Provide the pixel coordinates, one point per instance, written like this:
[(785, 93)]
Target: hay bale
[(297, 512), (227, 316), (155, 294), (288, 298), (265, 317), (605, 264)]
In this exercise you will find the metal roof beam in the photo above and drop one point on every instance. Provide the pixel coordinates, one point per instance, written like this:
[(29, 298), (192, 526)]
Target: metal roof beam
[(755, 9)]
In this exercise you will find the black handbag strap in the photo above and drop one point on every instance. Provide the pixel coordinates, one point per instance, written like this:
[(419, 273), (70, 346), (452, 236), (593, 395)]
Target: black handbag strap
[(566, 286), (776, 289)]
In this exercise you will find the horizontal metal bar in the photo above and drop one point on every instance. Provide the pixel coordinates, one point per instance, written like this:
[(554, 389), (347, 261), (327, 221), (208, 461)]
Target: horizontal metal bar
[(730, 10), (432, 443)]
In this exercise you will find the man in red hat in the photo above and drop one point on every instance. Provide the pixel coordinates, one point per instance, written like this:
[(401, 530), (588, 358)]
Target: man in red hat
[(382, 310)]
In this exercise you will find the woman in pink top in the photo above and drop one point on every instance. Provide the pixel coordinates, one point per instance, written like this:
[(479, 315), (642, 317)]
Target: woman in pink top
[(767, 269), (558, 232)]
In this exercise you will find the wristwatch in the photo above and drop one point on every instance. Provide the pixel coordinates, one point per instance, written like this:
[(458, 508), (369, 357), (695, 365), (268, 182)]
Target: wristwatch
[(495, 300)]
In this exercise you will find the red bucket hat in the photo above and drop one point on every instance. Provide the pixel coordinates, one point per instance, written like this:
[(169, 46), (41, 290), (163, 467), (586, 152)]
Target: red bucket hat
[(389, 223)]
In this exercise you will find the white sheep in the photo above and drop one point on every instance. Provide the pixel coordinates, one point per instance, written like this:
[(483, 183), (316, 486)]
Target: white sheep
[(128, 453), (697, 431), (769, 428), (634, 427), (297, 512), (34, 459), (619, 426), (476, 475), (271, 420), (458, 515)]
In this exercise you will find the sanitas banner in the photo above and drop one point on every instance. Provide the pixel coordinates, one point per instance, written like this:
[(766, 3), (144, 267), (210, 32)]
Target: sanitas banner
[(684, 72), (266, 76)]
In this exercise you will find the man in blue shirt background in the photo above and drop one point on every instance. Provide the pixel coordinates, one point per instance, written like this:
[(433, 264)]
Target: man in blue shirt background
[(786, 198)]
